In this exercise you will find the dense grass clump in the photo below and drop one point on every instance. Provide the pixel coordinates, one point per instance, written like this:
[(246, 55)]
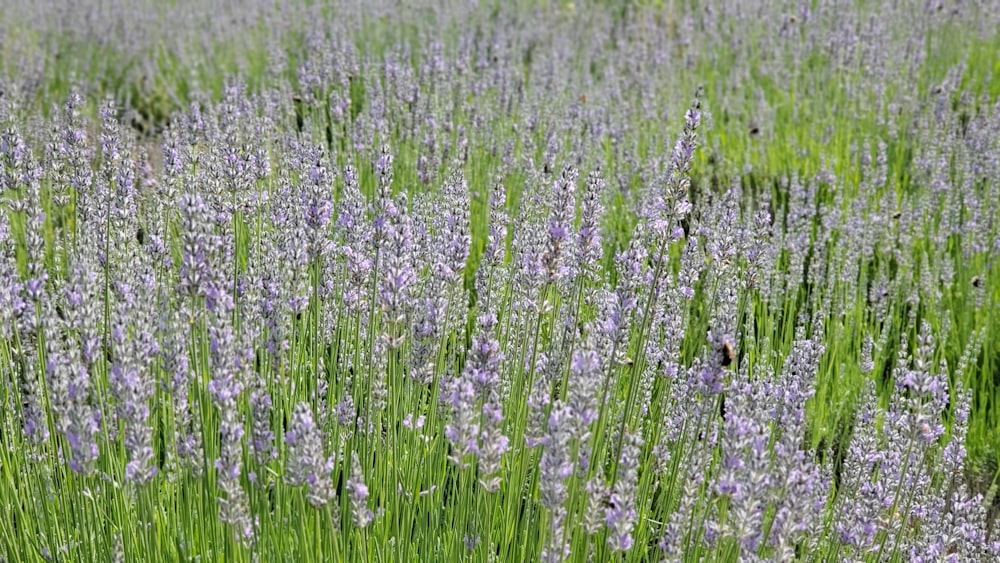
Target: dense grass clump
[(593, 281)]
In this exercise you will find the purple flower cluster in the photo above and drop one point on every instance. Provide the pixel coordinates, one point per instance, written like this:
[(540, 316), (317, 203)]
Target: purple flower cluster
[(308, 466)]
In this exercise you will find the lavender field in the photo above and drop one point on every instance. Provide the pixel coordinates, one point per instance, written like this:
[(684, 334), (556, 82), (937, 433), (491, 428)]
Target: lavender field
[(448, 280)]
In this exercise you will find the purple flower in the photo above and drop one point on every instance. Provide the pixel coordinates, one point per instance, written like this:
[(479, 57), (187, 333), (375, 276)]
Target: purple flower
[(306, 464), (262, 443), (358, 493), (399, 274), (559, 225), (588, 247), (621, 513)]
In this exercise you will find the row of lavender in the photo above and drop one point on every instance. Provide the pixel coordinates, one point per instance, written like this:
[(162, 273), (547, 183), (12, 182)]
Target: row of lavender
[(434, 307), (774, 67)]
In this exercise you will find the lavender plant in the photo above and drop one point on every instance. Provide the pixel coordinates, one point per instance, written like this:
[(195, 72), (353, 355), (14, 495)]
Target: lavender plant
[(380, 281)]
